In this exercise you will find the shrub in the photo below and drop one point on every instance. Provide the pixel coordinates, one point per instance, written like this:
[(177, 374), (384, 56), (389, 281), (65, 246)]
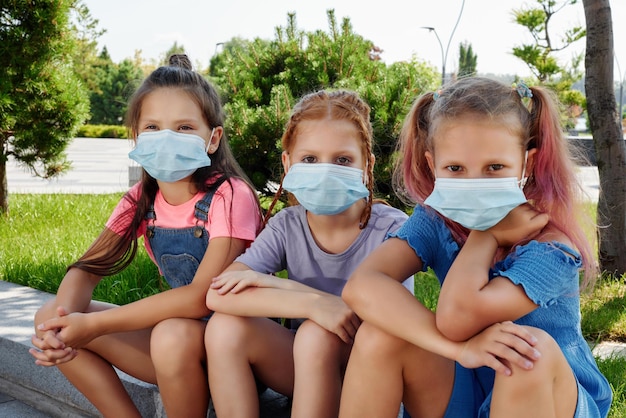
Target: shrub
[(102, 131)]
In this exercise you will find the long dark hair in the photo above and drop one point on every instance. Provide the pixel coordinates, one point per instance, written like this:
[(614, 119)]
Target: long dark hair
[(111, 253)]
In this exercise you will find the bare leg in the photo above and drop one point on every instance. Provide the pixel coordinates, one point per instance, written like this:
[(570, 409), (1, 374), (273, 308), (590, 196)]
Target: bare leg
[(384, 370), (320, 359), (91, 372), (547, 390), (240, 349), (179, 357)]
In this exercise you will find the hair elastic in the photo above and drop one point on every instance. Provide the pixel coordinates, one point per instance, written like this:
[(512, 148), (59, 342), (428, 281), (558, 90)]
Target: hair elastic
[(522, 89)]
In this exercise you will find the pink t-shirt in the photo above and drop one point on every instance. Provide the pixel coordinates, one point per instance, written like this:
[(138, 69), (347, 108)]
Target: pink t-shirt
[(233, 213)]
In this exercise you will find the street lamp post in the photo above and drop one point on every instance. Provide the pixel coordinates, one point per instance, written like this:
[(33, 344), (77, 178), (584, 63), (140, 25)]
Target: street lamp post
[(444, 56)]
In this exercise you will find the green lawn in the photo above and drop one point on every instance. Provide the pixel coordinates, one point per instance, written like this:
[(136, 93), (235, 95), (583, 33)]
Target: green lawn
[(44, 233)]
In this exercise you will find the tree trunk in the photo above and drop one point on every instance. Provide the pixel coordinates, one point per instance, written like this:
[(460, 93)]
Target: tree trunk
[(607, 136)]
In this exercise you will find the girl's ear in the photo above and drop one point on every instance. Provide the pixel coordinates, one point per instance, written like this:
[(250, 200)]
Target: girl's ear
[(371, 162), (216, 137), (284, 157), (431, 162), (530, 161), (369, 168)]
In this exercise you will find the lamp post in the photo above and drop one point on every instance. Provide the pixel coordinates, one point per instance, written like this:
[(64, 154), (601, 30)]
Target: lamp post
[(444, 56)]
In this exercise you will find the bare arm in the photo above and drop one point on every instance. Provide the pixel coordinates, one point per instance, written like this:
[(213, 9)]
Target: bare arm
[(243, 292), (469, 302), (375, 293), (73, 295), (185, 302), (238, 277)]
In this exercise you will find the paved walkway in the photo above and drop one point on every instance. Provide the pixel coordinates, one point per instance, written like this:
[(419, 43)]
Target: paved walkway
[(98, 166), (102, 166)]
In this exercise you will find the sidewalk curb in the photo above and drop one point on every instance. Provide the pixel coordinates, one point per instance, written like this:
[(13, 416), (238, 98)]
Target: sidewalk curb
[(45, 388)]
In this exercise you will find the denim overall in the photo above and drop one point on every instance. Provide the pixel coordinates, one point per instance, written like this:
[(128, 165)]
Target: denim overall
[(179, 251)]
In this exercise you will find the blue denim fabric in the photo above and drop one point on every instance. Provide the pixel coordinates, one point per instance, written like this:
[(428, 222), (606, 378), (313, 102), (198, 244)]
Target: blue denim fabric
[(178, 252)]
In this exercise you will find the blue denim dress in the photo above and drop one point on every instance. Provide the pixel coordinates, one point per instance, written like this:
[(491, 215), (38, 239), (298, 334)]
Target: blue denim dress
[(548, 273), (179, 251)]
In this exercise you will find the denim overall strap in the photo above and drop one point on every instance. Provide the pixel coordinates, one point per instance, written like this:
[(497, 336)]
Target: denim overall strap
[(179, 251)]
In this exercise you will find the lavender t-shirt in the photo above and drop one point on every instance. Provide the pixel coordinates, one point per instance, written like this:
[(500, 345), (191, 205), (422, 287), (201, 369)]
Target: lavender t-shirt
[(287, 243)]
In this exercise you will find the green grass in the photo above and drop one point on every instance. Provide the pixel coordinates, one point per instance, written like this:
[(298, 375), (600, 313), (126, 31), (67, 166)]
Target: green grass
[(45, 233), (604, 311)]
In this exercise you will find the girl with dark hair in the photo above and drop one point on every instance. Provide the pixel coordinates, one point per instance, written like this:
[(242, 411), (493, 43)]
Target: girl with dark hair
[(196, 212)]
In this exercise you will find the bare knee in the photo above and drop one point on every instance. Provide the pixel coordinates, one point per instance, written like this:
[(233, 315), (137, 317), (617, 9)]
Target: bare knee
[(371, 340), (226, 333), (316, 345), (544, 369), (177, 342), (45, 312), (170, 333)]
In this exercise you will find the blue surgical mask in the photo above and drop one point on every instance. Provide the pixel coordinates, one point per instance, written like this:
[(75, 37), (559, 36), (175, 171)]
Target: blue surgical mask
[(170, 156), (476, 203), (325, 189)]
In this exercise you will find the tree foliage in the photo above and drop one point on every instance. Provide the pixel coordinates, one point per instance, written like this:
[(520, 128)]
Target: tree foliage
[(261, 80), (114, 85), (174, 49), (42, 102), (85, 53), (540, 57), (467, 60)]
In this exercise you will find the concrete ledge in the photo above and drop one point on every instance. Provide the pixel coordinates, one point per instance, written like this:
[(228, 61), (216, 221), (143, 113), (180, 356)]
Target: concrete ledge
[(47, 390)]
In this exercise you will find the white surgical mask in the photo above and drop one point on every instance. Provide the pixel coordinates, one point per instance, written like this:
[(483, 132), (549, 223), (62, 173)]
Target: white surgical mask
[(170, 156), (476, 203), (325, 189)]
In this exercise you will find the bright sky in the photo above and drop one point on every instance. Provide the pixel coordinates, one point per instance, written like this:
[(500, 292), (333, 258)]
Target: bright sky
[(152, 26)]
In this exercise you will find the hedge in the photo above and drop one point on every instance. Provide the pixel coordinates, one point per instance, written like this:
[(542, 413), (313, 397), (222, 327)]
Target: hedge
[(102, 131)]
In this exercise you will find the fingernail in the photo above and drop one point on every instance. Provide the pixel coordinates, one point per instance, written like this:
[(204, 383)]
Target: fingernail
[(536, 354), (528, 365), (40, 326)]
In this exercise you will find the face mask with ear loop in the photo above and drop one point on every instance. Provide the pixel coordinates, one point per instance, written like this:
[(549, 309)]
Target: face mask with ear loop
[(171, 156), (477, 203), (325, 189)]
